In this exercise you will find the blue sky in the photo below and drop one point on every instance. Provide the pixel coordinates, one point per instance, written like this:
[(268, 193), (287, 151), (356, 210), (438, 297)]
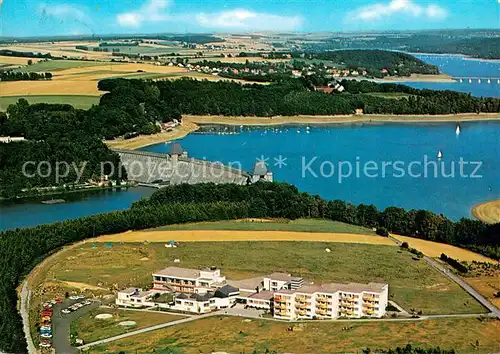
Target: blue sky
[(56, 17)]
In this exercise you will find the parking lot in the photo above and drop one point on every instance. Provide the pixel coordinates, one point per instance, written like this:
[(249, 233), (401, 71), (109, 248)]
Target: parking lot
[(61, 322)]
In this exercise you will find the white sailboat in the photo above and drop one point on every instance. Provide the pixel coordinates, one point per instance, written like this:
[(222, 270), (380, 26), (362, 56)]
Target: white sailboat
[(440, 155), (457, 131)]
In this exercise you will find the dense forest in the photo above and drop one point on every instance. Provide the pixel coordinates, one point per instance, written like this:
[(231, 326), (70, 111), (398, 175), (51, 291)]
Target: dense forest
[(22, 76), (293, 97), (373, 61), (56, 134), (21, 249)]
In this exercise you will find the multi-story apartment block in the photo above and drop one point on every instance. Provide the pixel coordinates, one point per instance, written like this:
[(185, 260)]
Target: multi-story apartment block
[(189, 281), (201, 291), (331, 301)]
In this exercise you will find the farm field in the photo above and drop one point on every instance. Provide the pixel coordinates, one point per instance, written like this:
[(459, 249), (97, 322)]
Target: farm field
[(90, 330), (81, 102), (57, 65), (413, 284), (77, 77), (220, 334), (434, 249)]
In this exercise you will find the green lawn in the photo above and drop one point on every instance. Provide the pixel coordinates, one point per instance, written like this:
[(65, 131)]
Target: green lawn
[(300, 225), (90, 330), (235, 335), (82, 102), (412, 283), (55, 65)]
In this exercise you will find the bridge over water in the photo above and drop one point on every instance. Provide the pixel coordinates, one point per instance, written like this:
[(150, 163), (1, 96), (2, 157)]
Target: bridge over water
[(477, 79), (159, 169)]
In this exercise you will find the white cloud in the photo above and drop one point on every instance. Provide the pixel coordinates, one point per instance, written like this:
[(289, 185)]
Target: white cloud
[(152, 11), (397, 7), (64, 11), (242, 19)]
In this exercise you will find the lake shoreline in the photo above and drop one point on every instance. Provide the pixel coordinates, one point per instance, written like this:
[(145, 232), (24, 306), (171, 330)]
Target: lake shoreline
[(191, 123)]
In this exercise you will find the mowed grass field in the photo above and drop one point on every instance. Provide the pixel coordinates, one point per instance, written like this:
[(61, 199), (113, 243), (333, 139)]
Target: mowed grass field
[(90, 330), (235, 335), (77, 101), (413, 284), (299, 225), (57, 65)]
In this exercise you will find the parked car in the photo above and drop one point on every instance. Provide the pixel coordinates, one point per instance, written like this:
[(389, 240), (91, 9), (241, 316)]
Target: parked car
[(46, 335), (66, 311), (87, 302), (74, 297), (46, 344)]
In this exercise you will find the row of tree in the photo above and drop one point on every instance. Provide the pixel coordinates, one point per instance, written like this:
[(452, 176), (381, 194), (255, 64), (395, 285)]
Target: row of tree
[(21, 249), (23, 76)]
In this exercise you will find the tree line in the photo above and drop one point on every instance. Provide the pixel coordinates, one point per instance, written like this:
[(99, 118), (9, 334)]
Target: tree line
[(22, 249), (24, 76)]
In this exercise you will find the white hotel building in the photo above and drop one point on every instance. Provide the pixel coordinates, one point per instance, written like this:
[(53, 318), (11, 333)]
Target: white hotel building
[(206, 290)]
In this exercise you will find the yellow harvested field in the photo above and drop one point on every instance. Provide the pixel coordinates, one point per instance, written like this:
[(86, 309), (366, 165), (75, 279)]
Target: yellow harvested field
[(434, 249), (16, 60), (120, 68), (53, 87), (232, 235), (488, 212), (60, 49)]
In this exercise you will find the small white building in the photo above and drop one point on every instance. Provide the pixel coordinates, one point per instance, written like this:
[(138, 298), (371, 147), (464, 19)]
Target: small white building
[(279, 281)]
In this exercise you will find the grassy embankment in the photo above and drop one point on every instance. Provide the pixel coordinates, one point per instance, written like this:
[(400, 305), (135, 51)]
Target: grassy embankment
[(90, 330), (237, 335)]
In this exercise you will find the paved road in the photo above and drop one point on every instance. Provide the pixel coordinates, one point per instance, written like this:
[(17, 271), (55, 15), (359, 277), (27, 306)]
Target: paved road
[(25, 305), (61, 324)]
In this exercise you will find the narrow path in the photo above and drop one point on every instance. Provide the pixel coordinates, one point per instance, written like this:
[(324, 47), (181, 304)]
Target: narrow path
[(144, 330), (481, 299), (25, 305)]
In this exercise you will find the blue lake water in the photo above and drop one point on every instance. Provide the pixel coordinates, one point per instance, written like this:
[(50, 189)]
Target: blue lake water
[(316, 160), (453, 197), (35, 213)]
